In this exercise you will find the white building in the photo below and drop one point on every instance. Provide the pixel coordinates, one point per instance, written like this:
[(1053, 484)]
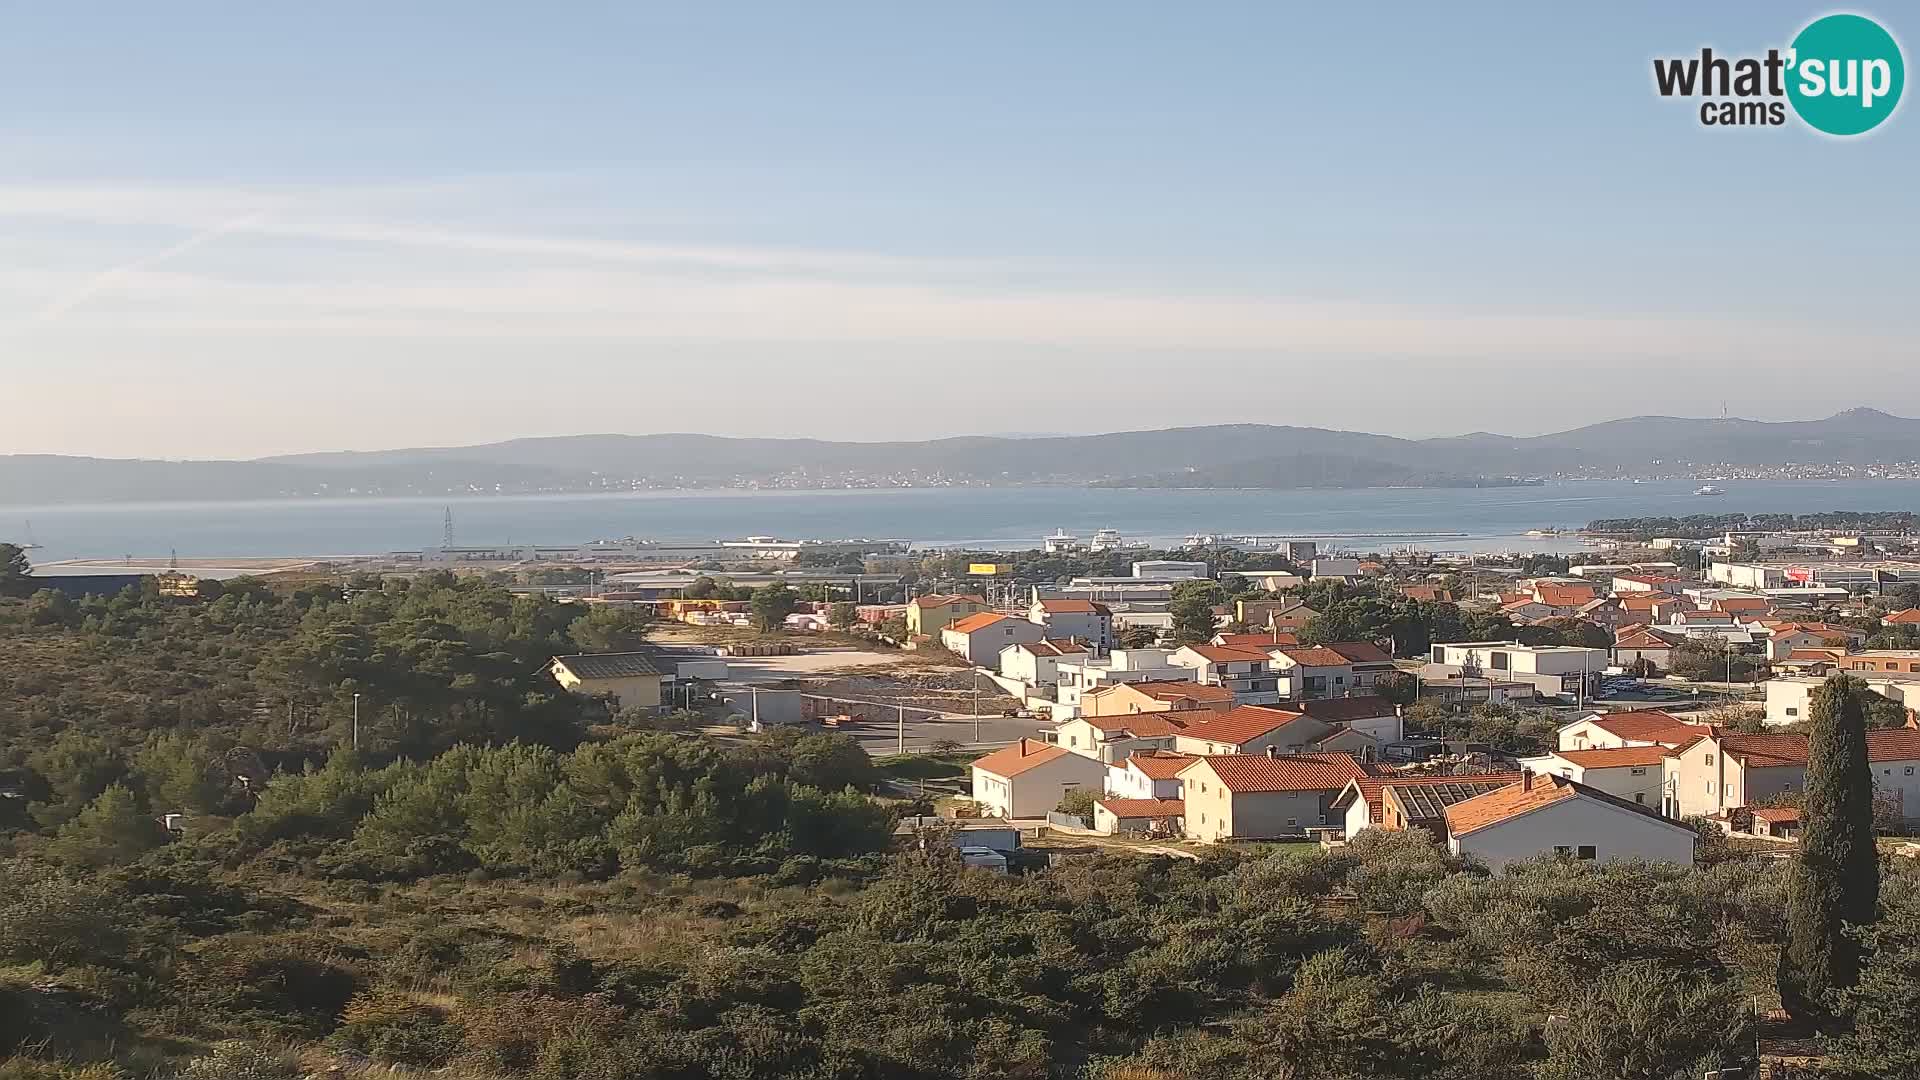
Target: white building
[(1169, 568), (980, 637), (1555, 670), (1037, 663), (1790, 697), (1076, 679), (1249, 673), (1028, 778), (1147, 774), (1081, 620), (1544, 815), (1328, 567), (1634, 773)]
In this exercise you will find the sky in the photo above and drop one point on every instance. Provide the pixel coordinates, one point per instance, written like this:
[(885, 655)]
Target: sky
[(232, 230)]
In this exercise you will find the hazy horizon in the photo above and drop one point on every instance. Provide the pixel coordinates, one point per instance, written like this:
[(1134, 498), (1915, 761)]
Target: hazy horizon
[(230, 232)]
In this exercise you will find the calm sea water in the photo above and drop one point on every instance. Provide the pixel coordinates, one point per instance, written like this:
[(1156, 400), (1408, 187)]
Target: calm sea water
[(1492, 518)]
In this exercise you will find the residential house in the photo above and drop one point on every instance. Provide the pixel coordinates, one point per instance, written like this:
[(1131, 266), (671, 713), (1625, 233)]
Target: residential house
[(1528, 610), (1643, 727), (928, 615), (1373, 716), (1314, 671), (1647, 583), (1112, 738), (1552, 814), (1632, 644), (1082, 620), (1403, 801), (1147, 774), (631, 680), (1746, 608), (1113, 814), (1249, 673), (1256, 797), (1155, 696), (1907, 617), (1634, 773), (1787, 636), (979, 637), (1790, 697), (1366, 660), (1037, 663), (1883, 661), (1289, 615), (1270, 580), (1078, 679), (1252, 729), (1427, 594), (1027, 779)]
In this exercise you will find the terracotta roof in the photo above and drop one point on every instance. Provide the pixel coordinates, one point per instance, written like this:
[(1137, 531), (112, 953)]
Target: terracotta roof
[(1144, 808), (1504, 804), (1649, 725), (1011, 761), (1893, 744), (1426, 593), (1151, 725), (1236, 726), (1360, 652), (1072, 607), (1053, 647), (1766, 751), (947, 600), (1743, 603), (1223, 654), (1370, 788), (1704, 616), (1910, 615), (1777, 814), (1256, 641), (1631, 601), (1176, 689), (1640, 637), (1563, 595), (1313, 656), (1256, 773), (1159, 764), (1614, 757), (979, 620)]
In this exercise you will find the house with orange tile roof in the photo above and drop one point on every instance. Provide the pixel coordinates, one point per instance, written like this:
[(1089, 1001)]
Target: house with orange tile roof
[(1642, 727), (1257, 797), (1427, 594), (1147, 774), (1316, 671), (979, 637), (1653, 644), (1903, 617), (1367, 660), (1253, 729), (1155, 695), (928, 615), (1285, 615), (1112, 738), (1723, 771), (1027, 779), (1248, 673), (1400, 801), (1112, 815), (1552, 815), (1787, 636), (1634, 773)]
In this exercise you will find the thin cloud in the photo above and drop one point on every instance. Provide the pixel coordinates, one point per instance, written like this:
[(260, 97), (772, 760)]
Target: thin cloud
[(106, 279)]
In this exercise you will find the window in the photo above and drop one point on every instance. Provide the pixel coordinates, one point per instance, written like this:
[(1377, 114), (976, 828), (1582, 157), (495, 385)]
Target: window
[(1792, 711), (1909, 770), (1073, 740), (1640, 797), (1562, 850), (1637, 770), (1709, 787), (1203, 819), (1293, 823), (1323, 819), (1588, 851), (1709, 759)]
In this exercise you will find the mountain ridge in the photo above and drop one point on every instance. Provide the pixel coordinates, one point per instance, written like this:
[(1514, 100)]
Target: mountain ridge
[(1161, 456)]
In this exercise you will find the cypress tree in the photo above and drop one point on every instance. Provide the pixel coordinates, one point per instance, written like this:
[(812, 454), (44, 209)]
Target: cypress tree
[(1835, 879)]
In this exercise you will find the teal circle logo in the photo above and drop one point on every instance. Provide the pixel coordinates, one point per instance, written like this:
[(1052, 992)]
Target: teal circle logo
[(1845, 74)]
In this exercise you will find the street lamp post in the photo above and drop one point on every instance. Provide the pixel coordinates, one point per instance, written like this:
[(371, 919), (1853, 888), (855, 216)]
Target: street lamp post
[(356, 721)]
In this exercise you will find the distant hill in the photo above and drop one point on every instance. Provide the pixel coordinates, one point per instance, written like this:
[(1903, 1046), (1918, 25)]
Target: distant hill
[(1233, 455)]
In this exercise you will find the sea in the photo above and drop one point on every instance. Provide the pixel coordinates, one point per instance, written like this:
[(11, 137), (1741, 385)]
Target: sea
[(1372, 519)]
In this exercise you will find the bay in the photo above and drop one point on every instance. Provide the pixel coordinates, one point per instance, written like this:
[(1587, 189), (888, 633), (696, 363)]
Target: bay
[(1004, 518)]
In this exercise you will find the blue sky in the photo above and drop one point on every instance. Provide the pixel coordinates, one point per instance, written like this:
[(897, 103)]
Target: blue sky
[(367, 225)]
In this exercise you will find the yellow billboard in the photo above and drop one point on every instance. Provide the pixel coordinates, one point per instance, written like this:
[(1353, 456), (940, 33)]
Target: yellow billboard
[(990, 569)]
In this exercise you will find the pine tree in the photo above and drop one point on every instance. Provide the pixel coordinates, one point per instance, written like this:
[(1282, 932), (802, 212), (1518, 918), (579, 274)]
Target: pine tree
[(1835, 879), (112, 829)]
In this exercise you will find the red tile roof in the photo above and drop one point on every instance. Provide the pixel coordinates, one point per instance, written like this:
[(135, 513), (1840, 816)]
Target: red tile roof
[(1144, 808), (1360, 652), (1150, 725), (979, 620), (1072, 607), (1256, 773), (1244, 724), (1649, 725), (1639, 637), (1563, 595), (1614, 757), (1906, 617), (1510, 802), (1159, 764), (1011, 761), (1053, 647), (1893, 744), (1176, 689), (1777, 814), (1257, 641), (1224, 654), (1743, 603), (1313, 656)]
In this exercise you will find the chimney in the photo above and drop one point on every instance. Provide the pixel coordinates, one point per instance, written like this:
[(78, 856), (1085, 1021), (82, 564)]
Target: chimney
[(1526, 779), (1273, 751)]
